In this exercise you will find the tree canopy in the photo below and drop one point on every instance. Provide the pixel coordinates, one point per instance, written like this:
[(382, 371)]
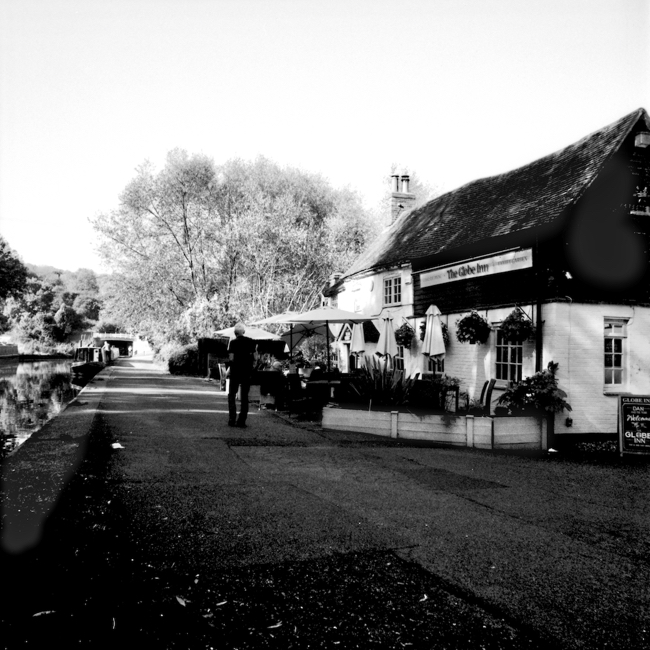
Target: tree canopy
[(197, 246), (13, 273)]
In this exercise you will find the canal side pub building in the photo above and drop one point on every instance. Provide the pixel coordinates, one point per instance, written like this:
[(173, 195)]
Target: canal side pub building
[(564, 239)]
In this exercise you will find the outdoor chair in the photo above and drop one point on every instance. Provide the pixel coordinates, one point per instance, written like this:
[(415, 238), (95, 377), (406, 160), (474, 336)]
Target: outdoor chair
[(222, 376), (486, 395), (297, 399)]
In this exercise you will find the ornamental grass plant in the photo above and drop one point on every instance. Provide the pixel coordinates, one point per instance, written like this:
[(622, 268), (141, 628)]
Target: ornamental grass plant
[(381, 383)]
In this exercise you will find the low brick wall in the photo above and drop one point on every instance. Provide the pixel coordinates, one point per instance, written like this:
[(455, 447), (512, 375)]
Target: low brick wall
[(524, 433)]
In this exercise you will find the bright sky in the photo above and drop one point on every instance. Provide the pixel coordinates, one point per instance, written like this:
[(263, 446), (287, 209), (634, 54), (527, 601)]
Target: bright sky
[(452, 89)]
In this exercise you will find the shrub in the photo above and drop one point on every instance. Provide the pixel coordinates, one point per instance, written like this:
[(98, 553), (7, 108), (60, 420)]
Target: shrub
[(184, 361), (539, 392), (431, 392), (381, 383)]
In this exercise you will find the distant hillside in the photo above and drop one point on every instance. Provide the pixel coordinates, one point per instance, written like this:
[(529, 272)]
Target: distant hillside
[(53, 274)]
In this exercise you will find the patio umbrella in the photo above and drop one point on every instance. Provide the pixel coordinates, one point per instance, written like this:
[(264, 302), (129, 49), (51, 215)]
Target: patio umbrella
[(326, 316), (387, 345), (434, 344), (272, 320), (296, 334), (287, 337), (358, 341), (251, 332)]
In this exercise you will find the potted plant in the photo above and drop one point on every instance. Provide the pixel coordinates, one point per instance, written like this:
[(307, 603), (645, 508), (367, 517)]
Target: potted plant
[(445, 332), (538, 394), (472, 328), (404, 335), (517, 327)]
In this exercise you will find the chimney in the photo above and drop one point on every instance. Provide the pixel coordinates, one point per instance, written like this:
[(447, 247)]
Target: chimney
[(334, 278), (401, 199)]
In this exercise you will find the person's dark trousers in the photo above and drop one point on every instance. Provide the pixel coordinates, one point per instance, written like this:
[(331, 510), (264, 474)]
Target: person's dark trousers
[(235, 383)]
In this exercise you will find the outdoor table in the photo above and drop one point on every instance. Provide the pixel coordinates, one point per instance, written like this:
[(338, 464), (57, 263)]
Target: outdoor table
[(318, 383)]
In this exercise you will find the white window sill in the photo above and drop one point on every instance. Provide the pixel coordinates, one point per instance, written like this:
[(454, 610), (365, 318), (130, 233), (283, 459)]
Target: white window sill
[(615, 392)]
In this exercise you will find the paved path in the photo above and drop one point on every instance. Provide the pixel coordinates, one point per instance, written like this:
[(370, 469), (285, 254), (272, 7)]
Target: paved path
[(558, 546)]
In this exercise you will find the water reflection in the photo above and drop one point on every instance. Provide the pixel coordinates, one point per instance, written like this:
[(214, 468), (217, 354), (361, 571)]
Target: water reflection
[(31, 393)]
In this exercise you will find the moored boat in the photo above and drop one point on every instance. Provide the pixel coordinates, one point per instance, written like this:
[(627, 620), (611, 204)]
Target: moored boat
[(87, 361)]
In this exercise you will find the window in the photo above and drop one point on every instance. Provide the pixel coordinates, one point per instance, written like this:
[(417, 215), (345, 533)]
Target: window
[(392, 291), (615, 333), (399, 358), (509, 359), (436, 366)]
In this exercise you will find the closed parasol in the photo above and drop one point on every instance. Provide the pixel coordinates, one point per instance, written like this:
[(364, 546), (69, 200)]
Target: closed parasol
[(434, 344), (387, 345)]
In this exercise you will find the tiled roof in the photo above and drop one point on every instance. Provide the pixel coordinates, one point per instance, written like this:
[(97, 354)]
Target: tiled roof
[(533, 195)]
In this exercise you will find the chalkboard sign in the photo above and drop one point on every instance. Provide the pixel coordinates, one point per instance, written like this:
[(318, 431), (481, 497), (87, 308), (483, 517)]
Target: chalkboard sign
[(634, 424)]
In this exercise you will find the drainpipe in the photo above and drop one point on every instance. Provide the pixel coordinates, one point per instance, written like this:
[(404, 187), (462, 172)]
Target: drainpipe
[(539, 340)]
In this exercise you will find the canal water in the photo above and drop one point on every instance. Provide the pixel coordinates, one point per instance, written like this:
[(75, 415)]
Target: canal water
[(31, 394)]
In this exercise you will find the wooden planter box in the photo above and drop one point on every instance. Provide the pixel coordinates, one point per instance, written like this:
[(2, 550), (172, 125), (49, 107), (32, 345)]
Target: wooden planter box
[(520, 432), (523, 433)]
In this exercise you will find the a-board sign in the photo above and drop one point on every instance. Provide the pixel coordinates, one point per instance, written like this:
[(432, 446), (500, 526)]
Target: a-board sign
[(634, 424)]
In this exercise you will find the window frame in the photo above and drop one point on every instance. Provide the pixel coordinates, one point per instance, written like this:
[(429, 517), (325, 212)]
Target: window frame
[(499, 346), (616, 335), (393, 280), (431, 370)]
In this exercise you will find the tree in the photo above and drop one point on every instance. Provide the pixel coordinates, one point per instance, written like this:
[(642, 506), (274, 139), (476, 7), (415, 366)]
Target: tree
[(13, 273), (82, 282), (88, 307), (66, 321), (195, 247), (31, 315)]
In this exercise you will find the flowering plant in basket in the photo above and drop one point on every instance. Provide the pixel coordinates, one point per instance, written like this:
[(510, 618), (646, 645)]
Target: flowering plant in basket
[(404, 335), (517, 327), (472, 328)]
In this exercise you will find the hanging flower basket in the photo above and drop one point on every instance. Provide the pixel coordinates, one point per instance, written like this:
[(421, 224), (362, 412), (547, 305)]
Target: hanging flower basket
[(404, 335), (445, 333), (472, 328), (517, 327)]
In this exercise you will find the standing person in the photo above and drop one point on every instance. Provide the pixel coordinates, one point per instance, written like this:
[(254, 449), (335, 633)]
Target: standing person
[(106, 352), (242, 353)]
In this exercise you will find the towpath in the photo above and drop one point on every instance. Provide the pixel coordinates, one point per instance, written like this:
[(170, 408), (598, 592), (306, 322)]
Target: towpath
[(179, 531)]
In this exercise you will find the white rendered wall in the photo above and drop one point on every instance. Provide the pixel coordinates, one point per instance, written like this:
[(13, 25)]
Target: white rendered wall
[(573, 337), (366, 296)]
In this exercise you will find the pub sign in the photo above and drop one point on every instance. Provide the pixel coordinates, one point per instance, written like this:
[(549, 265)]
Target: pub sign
[(634, 424)]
